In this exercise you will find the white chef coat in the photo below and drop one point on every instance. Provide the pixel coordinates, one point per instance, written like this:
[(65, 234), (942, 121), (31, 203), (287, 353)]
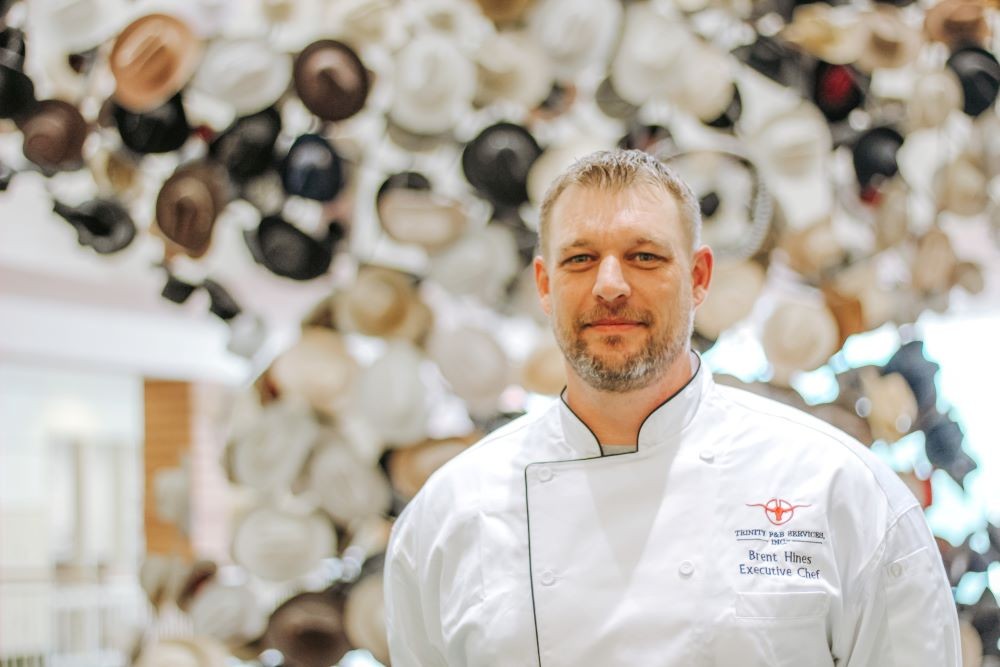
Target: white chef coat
[(740, 533)]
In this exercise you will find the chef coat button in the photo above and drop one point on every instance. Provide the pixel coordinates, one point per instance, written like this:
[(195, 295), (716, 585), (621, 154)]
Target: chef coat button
[(895, 569), (707, 455), (547, 578), (545, 474), (687, 568)]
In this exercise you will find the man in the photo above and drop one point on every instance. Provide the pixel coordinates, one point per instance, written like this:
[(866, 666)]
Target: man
[(649, 517)]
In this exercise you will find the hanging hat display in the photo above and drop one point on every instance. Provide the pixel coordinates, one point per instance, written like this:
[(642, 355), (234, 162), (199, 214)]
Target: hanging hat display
[(54, 132), (497, 161), (246, 148), (17, 91), (102, 224), (331, 80), (312, 169), (289, 252), (159, 130), (152, 59)]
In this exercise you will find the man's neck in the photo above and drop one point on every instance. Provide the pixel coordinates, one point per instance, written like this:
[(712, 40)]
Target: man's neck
[(615, 417)]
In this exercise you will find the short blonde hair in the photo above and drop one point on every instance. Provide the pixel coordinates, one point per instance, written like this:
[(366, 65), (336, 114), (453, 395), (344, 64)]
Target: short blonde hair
[(616, 170)]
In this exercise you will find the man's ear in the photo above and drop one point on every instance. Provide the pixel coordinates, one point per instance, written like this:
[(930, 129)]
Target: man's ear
[(702, 263), (542, 284)]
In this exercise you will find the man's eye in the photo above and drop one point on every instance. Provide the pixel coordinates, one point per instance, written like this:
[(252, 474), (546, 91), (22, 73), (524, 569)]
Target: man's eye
[(646, 257), (577, 259)]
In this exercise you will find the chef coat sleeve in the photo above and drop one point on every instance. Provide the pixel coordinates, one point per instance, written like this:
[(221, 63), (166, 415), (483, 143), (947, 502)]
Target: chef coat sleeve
[(902, 613), (410, 640)]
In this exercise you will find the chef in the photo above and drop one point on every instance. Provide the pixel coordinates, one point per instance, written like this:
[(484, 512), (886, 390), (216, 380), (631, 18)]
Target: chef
[(650, 517)]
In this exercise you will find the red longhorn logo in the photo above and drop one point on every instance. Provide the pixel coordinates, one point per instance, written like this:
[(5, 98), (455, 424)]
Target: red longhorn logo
[(778, 511)]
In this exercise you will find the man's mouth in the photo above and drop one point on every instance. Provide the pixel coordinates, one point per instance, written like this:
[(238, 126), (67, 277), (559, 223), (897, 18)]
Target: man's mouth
[(613, 324)]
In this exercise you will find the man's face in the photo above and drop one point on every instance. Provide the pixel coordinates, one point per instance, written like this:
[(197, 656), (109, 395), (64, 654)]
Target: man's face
[(620, 284)]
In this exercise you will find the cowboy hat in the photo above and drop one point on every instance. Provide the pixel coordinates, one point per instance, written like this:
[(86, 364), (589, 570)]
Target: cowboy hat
[(433, 85), (962, 186), (246, 73), (798, 335), (497, 162), (575, 35), (456, 351), (75, 26), (308, 631), (188, 204), (269, 451), (393, 397), (410, 467), (837, 90), (102, 224), (813, 251), (229, 613), (891, 42), (420, 216), (54, 132), (287, 251), (957, 23), (160, 130), (979, 73), (279, 544), (17, 91), (649, 56), (382, 302), (312, 169), (874, 155), (833, 35), (936, 94), (318, 369), (891, 406), (480, 263), (331, 80), (246, 148), (736, 284), (152, 58), (512, 67), (346, 487)]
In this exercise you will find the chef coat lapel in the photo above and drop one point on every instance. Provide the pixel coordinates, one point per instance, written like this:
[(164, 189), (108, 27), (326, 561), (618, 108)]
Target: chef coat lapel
[(603, 546)]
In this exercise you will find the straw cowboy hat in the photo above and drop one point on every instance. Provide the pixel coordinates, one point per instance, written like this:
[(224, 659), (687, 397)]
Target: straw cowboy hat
[(279, 544), (575, 35), (474, 365), (933, 266), (176, 652), (957, 23), (364, 617), (53, 135), (308, 630), (433, 85), (393, 397), (736, 284), (246, 73), (962, 186), (228, 613), (650, 54), (152, 58), (891, 41), (512, 67), (891, 407), (331, 80), (317, 368), (410, 467), (268, 453), (813, 251), (792, 149), (347, 487), (834, 35), (799, 335), (382, 302)]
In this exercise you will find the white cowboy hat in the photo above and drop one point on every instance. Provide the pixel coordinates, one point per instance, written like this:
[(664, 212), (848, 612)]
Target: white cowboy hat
[(736, 284), (474, 364), (346, 487), (392, 395), (364, 617), (193, 652), (834, 35), (317, 368), (231, 614), (962, 186), (246, 74), (382, 302), (410, 467), (544, 369), (706, 81), (280, 544), (422, 217), (512, 67), (480, 263), (75, 26), (799, 335), (936, 94), (269, 452), (650, 55), (433, 85), (362, 22), (792, 149), (575, 34), (891, 41), (813, 250)]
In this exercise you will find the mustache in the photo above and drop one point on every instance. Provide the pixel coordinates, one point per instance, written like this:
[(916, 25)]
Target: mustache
[(603, 312)]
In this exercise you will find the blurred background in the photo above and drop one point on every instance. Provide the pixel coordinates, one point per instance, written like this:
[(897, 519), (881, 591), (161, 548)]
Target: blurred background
[(264, 266)]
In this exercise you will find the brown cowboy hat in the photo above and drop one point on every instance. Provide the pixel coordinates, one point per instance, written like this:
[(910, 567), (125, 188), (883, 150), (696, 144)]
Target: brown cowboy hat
[(152, 58)]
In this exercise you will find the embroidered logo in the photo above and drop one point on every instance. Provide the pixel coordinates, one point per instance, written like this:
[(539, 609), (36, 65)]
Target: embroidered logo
[(778, 511)]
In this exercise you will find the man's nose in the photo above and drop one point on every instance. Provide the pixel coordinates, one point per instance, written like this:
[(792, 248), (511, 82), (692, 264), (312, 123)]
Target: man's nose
[(610, 284)]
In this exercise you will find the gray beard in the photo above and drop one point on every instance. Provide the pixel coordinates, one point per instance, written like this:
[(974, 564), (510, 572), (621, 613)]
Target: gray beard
[(634, 372)]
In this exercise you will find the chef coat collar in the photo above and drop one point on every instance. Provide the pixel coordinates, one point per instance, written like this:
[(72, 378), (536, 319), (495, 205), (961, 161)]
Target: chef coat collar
[(661, 425)]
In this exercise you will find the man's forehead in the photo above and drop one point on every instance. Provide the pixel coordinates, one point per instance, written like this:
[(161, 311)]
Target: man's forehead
[(641, 211)]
